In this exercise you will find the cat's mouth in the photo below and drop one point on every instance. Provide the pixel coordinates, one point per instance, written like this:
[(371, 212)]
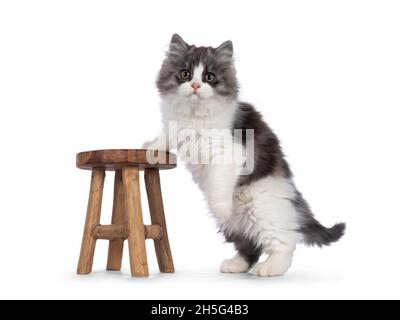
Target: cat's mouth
[(194, 95)]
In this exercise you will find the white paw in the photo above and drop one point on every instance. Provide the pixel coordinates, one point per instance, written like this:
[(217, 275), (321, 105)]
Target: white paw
[(147, 144), (150, 145), (235, 265), (272, 267)]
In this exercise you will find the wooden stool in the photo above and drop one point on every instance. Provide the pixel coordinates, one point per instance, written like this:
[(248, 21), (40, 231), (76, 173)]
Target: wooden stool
[(127, 221)]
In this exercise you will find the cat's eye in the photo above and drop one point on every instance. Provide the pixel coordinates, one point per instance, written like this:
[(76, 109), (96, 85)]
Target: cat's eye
[(209, 77), (185, 74)]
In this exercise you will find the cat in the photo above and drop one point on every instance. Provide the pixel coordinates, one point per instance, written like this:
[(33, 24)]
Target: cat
[(261, 211)]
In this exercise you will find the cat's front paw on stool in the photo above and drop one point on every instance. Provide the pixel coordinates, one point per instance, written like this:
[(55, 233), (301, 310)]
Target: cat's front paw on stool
[(150, 145), (235, 265)]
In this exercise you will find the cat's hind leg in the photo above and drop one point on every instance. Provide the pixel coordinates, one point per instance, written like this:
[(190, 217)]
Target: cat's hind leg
[(219, 187), (277, 263), (235, 265), (248, 254)]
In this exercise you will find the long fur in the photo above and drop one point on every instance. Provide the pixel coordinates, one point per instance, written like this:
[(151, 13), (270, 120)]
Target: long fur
[(260, 212)]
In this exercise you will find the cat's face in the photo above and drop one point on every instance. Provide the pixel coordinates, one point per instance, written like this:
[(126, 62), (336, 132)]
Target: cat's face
[(198, 73)]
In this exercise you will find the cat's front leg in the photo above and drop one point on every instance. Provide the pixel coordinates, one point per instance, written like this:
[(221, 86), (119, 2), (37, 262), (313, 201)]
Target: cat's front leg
[(162, 142), (219, 188), (155, 144)]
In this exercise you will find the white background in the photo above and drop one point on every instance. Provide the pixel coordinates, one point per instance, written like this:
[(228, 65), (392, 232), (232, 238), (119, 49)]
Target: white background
[(79, 75)]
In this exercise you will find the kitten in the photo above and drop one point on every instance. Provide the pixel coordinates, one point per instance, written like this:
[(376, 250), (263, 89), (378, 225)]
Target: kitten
[(260, 211)]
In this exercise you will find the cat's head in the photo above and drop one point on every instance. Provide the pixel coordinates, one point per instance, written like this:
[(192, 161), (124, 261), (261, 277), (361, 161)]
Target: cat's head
[(198, 73)]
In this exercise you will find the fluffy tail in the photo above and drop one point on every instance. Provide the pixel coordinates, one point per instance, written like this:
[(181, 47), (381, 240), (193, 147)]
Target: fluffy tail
[(316, 234)]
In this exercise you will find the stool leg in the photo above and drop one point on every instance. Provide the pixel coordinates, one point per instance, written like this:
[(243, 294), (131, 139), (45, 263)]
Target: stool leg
[(154, 196), (136, 232), (116, 246), (92, 219)]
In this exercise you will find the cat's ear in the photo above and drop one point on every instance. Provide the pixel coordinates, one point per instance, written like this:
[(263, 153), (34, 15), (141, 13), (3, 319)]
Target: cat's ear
[(225, 50), (177, 43)]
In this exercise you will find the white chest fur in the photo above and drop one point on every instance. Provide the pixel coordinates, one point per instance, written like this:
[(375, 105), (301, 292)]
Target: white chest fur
[(204, 137)]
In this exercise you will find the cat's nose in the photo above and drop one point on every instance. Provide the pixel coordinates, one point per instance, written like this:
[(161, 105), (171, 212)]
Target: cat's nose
[(195, 85)]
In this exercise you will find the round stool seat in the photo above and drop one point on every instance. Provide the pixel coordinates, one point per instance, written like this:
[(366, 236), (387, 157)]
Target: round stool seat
[(114, 159)]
